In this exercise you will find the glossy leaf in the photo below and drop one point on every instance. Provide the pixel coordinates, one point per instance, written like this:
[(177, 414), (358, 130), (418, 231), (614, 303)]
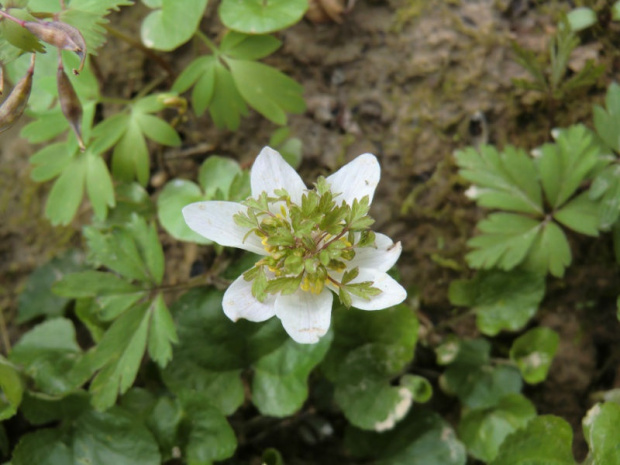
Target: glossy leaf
[(172, 25), (484, 430), (261, 17), (506, 180), (533, 353), (501, 300), (545, 439)]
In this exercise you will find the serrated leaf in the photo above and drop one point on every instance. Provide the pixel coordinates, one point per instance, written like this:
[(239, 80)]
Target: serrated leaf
[(280, 384), (545, 439), (37, 298), (423, 438), (533, 353), (504, 300), (11, 389), (565, 164), (505, 241), (580, 214), (506, 180), (267, 90), (484, 430), (601, 428), (161, 29), (261, 17)]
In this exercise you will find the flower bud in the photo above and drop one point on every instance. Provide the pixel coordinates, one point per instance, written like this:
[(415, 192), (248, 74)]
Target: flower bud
[(13, 107), (70, 103), (61, 35)]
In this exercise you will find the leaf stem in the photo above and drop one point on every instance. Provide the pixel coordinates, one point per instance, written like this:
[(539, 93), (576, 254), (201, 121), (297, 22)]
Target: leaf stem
[(12, 18), (208, 42)]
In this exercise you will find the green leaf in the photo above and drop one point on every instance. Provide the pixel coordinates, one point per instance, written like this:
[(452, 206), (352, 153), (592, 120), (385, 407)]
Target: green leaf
[(172, 25), (67, 193), (566, 164), (503, 300), (150, 249), (581, 18), (46, 126), (174, 196), (200, 73), (158, 130), (131, 199), (606, 189), (423, 438), (484, 430), (11, 389), (50, 161), (280, 384), (248, 47), (550, 252), (48, 353), (260, 16), (95, 438), (580, 214), (218, 173), (420, 387), (18, 36), (41, 409), (545, 439), (93, 284), (99, 186), (267, 90), (615, 11), (601, 428), (227, 104), (505, 241), (533, 353), (162, 333), (476, 382), (506, 180), (130, 158), (37, 298)]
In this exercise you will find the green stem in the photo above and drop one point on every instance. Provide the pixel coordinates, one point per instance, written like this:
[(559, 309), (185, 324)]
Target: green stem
[(208, 42)]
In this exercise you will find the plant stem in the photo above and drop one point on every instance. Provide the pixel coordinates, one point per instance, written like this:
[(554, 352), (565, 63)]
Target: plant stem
[(208, 42), (12, 18)]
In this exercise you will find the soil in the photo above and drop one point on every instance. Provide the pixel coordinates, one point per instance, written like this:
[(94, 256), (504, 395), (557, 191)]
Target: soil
[(406, 80)]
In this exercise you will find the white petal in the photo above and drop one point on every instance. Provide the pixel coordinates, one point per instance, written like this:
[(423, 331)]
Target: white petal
[(305, 316), (271, 172), (381, 256), (239, 302), (214, 220), (356, 179), (392, 292)]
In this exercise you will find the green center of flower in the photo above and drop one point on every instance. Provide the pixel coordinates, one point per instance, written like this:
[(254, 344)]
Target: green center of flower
[(309, 245)]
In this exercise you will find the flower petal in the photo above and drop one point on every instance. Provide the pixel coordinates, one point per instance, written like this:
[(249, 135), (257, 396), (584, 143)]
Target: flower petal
[(239, 302), (380, 257), (305, 316), (214, 220), (356, 179), (271, 172), (392, 292)]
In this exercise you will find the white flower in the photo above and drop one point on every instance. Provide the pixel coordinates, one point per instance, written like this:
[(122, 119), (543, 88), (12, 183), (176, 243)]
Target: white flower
[(306, 312)]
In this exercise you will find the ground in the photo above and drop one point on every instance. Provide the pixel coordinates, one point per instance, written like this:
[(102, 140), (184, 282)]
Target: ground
[(401, 79)]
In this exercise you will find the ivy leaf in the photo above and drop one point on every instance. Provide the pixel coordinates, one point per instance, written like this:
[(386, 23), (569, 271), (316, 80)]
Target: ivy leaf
[(48, 353), (280, 384), (601, 430), (545, 439), (267, 90), (565, 164), (506, 180), (423, 438), (37, 298), (484, 430), (533, 353), (261, 17), (472, 378), (11, 389), (501, 300), (172, 25)]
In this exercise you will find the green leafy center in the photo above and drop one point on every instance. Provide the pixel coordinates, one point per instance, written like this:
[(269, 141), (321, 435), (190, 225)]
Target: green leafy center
[(309, 246)]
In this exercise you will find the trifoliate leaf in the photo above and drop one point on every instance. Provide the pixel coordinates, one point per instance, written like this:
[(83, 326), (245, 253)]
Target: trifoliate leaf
[(11, 389), (565, 164), (161, 28), (545, 439), (423, 438), (506, 180), (48, 353), (476, 382), (267, 90), (261, 17), (533, 353), (601, 428), (37, 298), (280, 384), (502, 300), (484, 430)]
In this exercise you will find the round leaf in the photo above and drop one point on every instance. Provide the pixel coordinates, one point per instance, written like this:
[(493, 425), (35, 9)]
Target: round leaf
[(173, 25), (174, 196), (261, 16), (533, 353)]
